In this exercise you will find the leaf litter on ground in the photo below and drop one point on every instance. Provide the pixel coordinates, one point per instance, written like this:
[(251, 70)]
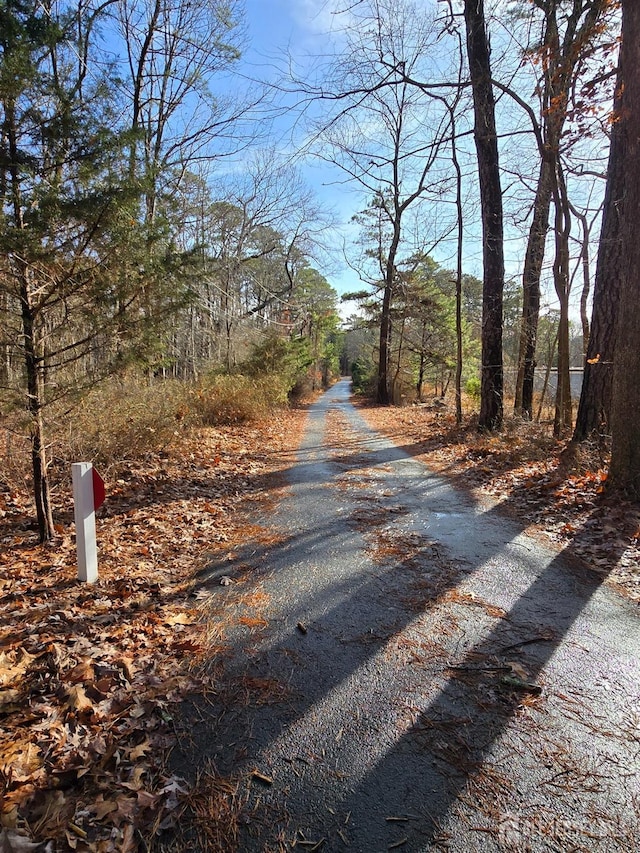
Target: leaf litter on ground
[(554, 490), (90, 676)]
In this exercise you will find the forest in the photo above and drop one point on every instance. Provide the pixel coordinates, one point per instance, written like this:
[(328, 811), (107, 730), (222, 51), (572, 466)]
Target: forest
[(172, 303), (153, 233)]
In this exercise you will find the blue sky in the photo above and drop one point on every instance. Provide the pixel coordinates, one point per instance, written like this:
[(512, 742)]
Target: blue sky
[(298, 25), (304, 29), (276, 30), (307, 30)]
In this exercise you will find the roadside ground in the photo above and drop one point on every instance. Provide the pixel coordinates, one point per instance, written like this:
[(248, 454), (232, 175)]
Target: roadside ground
[(90, 677), (561, 494)]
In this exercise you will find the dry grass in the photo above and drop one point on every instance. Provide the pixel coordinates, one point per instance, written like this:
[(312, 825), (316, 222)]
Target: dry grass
[(123, 421), (236, 399)]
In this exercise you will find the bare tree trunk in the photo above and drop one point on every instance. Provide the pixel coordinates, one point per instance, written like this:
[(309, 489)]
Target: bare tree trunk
[(421, 366), (594, 408), (383, 396), (385, 344), (446, 379), (35, 394), (586, 279), (5, 357), (534, 257), (491, 393), (395, 395), (563, 414), (460, 238), (625, 426), (561, 65), (32, 356), (547, 373)]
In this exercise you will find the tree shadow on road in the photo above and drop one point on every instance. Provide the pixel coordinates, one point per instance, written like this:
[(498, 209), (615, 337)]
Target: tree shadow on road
[(445, 738)]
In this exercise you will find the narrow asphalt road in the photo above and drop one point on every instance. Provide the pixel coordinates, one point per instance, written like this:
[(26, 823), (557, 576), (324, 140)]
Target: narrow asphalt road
[(410, 672)]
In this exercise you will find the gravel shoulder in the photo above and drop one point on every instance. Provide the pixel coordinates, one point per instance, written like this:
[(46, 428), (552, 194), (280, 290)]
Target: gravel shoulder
[(406, 668)]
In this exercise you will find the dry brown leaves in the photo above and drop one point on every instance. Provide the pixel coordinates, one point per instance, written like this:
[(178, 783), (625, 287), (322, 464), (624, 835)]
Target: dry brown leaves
[(533, 479), (90, 674)]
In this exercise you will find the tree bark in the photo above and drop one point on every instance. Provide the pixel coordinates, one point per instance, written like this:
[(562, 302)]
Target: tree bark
[(384, 349), (384, 392), (594, 408), (586, 278), (625, 425), (534, 257), (486, 141), (561, 64), (561, 279), (460, 238), (31, 349), (35, 396)]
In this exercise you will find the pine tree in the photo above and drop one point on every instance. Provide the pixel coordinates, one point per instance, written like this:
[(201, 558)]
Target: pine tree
[(72, 280)]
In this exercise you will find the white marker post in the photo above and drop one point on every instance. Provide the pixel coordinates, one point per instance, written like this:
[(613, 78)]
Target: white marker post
[(88, 495)]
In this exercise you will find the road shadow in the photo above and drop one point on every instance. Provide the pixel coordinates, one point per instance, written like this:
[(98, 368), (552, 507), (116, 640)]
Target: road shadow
[(320, 661)]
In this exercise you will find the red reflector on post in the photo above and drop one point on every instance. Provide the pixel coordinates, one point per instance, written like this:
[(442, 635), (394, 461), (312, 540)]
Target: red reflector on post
[(98, 489)]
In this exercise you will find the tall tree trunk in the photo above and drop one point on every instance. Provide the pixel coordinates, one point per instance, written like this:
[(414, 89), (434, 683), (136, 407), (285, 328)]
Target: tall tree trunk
[(586, 278), (35, 395), (396, 386), (491, 389), (551, 350), (594, 408), (5, 355), (563, 413), (385, 345), (625, 425), (460, 238), (421, 364), (383, 395), (561, 64), (534, 257), (33, 360)]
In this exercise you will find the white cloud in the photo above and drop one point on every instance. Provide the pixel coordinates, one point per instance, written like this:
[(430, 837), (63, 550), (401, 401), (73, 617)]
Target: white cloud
[(320, 17)]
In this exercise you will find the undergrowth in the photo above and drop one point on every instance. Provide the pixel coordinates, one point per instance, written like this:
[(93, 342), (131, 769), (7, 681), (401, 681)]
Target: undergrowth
[(127, 420)]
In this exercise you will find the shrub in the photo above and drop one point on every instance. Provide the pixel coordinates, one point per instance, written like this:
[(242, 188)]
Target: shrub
[(126, 420), (280, 362), (223, 399), (362, 376), (121, 421), (472, 388)]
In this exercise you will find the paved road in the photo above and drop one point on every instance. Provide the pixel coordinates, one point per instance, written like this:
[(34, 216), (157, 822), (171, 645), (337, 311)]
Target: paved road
[(422, 675)]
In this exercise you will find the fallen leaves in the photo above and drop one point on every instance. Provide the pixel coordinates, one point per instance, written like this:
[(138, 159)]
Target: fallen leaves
[(77, 700), (13, 666), (90, 675), (15, 842), (84, 731), (21, 761), (525, 470)]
